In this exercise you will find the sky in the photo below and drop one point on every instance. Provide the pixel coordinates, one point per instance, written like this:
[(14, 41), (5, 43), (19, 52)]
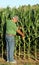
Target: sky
[(17, 3)]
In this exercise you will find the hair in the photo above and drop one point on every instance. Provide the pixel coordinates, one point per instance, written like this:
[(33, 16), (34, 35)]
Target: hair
[(16, 17)]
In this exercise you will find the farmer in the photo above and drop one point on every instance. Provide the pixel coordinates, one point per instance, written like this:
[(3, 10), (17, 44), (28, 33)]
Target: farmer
[(11, 30)]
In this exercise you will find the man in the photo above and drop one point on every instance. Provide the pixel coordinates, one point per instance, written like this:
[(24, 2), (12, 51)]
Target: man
[(11, 30)]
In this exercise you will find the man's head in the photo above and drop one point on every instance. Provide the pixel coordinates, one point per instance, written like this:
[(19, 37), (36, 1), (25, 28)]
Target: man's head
[(15, 19)]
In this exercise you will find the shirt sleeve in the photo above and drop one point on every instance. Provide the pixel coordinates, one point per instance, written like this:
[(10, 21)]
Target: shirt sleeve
[(16, 28)]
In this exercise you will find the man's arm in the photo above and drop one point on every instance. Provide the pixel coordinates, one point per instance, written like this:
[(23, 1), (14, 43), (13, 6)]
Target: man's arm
[(19, 32)]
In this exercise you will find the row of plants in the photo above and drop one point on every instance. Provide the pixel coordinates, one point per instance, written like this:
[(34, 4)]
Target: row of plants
[(28, 24)]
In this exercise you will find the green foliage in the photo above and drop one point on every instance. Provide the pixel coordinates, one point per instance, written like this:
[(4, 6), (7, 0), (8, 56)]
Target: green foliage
[(29, 23)]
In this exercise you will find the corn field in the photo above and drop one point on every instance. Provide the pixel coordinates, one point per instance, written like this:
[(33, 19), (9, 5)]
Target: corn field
[(29, 24)]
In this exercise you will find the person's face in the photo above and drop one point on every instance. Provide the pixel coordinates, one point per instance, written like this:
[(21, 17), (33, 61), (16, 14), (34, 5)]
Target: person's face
[(15, 20)]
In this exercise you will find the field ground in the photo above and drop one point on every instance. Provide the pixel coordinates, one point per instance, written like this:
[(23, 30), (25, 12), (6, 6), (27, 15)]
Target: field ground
[(20, 62)]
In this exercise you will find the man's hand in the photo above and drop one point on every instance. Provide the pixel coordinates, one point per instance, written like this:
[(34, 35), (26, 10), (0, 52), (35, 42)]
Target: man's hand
[(22, 34)]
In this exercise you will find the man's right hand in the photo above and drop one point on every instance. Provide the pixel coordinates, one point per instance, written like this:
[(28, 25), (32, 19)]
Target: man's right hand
[(23, 36)]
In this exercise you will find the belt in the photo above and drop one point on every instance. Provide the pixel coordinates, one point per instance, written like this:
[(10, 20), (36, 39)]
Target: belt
[(10, 34)]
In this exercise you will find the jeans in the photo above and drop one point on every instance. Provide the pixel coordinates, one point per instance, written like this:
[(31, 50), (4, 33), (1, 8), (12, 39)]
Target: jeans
[(10, 47)]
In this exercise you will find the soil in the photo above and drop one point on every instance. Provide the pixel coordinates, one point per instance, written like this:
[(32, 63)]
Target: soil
[(20, 62)]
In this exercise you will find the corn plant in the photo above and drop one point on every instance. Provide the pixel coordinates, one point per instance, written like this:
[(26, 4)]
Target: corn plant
[(29, 23)]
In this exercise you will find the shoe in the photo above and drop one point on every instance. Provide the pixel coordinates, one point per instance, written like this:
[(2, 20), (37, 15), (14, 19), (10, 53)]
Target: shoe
[(7, 61), (13, 61)]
